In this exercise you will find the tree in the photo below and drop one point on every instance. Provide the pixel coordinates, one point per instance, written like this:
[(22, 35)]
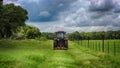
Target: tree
[(94, 35), (1, 2), (11, 17), (75, 36), (28, 32), (48, 35)]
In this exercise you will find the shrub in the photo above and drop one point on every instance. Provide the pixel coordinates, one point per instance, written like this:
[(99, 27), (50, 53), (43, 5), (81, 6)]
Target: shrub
[(41, 38)]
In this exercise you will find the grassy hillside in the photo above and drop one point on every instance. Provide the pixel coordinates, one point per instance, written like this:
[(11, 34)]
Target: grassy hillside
[(40, 54)]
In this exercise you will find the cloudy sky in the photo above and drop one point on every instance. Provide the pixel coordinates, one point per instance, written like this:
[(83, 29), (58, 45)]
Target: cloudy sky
[(72, 15)]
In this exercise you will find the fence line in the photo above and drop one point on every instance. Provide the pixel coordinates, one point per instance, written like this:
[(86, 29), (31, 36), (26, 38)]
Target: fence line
[(107, 46)]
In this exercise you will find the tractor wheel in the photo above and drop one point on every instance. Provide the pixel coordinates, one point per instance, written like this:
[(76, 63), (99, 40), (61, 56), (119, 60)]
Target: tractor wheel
[(66, 44), (55, 44)]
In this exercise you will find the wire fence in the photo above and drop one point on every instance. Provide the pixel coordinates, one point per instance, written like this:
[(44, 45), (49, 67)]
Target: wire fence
[(111, 47)]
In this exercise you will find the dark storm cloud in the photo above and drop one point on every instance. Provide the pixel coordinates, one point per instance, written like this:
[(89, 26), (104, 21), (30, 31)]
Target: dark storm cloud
[(39, 10), (73, 15), (104, 13), (104, 6), (117, 8), (10, 0), (95, 23), (101, 5)]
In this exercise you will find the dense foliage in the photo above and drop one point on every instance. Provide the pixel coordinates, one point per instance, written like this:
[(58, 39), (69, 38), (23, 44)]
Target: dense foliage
[(48, 35), (28, 32), (94, 35), (11, 17), (86, 35)]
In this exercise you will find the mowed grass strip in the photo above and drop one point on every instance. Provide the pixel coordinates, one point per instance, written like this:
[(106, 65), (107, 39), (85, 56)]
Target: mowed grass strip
[(40, 54)]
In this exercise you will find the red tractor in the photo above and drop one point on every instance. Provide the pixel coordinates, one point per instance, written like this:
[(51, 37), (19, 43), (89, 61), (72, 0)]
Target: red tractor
[(60, 41)]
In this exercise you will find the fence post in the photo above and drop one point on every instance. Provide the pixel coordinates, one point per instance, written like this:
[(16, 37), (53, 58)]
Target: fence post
[(114, 44), (114, 48), (96, 45), (99, 46), (103, 42), (81, 41), (108, 46), (78, 41), (103, 46), (88, 42), (93, 45)]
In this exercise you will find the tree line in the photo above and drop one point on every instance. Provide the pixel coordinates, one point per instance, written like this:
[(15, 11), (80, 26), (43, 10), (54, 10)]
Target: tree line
[(86, 35), (48, 35), (12, 22), (94, 35)]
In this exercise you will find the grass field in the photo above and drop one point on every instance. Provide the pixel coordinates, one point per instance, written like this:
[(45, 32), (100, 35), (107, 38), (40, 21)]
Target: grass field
[(40, 54), (111, 47)]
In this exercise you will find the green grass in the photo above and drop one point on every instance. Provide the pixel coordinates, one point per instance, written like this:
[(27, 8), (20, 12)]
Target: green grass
[(40, 54), (97, 46)]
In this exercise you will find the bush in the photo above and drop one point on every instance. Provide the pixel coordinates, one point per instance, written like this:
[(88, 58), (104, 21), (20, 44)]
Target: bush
[(41, 39), (28, 32)]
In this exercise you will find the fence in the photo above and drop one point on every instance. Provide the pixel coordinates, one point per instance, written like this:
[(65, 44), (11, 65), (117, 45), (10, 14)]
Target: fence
[(108, 46)]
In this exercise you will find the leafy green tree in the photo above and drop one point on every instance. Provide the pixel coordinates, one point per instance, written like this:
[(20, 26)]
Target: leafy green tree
[(11, 17), (0, 16), (48, 35), (83, 35), (28, 32), (118, 34), (75, 36), (94, 35), (1, 1)]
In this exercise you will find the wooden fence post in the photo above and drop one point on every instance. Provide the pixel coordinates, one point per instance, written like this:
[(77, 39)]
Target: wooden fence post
[(99, 46), (108, 47), (96, 45), (93, 44), (114, 44), (103, 42), (88, 42), (114, 49)]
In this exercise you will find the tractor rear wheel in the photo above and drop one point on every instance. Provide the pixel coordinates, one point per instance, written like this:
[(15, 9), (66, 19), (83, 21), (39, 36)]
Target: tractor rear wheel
[(66, 44), (55, 44)]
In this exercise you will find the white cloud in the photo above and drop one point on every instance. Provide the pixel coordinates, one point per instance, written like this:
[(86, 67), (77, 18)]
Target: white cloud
[(44, 14), (78, 16), (80, 19), (49, 26), (16, 2), (55, 26), (61, 5)]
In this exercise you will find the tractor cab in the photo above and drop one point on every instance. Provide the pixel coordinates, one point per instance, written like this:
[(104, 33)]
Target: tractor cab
[(60, 40), (60, 35)]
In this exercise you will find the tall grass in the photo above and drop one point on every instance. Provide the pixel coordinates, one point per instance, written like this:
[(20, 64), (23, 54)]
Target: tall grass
[(40, 54), (108, 55), (111, 47)]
